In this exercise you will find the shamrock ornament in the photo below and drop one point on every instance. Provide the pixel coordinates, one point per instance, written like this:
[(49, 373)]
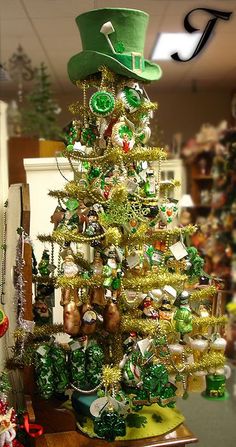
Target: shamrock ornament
[(109, 425), (168, 211), (131, 96), (102, 103)]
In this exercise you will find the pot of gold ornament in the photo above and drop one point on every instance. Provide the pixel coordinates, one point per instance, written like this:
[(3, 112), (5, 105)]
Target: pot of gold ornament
[(122, 135), (71, 319), (89, 319), (102, 103), (131, 96), (168, 211)]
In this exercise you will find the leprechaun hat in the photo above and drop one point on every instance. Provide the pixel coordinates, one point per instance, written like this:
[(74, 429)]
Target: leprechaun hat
[(113, 37)]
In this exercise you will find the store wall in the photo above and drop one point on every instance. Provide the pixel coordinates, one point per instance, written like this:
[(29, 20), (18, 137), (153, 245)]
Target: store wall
[(179, 111)]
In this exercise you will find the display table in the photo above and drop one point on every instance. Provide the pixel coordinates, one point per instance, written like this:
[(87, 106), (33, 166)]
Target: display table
[(179, 437)]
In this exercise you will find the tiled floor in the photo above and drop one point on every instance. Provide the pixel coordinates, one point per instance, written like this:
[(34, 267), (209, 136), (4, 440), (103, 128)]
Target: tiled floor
[(213, 422)]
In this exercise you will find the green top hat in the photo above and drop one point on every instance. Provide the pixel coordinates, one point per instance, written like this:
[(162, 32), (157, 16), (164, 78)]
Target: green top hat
[(113, 37)]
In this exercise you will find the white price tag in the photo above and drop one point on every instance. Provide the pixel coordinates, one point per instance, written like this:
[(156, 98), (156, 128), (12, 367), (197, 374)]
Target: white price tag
[(41, 350), (178, 250), (100, 404), (144, 345), (133, 260)]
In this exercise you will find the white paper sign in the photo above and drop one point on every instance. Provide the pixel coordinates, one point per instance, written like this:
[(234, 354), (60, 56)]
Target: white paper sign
[(178, 250)]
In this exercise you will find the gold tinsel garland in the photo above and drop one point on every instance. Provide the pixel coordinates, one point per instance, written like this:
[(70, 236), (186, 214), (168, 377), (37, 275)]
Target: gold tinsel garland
[(210, 361), (117, 155), (114, 236), (158, 235), (147, 327), (139, 283), (40, 332), (203, 294), (153, 280)]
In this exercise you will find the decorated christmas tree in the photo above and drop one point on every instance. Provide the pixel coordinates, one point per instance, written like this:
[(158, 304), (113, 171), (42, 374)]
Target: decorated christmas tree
[(136, 303)]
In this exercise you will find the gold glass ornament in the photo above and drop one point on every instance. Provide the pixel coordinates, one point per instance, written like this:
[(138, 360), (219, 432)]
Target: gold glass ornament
[(112, 317), (71, 319)]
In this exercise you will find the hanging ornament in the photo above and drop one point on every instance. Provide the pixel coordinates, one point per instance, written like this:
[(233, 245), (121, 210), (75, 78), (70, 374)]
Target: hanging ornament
[(183, 316), (71, 319), (131, 97), (57, 216), (168, 211), (144, 135), (148, 310), (69, 267), (88, 136), (43, 266), (112, 317), (150, 184), (4, 323), (122, 135), (102, 103), (7, 428), (88, 319)]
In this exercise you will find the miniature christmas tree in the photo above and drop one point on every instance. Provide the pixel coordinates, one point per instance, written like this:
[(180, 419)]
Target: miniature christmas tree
[(141, 333), (39, 116)]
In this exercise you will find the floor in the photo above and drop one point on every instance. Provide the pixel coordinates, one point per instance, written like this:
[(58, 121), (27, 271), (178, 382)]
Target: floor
[(213, 422)]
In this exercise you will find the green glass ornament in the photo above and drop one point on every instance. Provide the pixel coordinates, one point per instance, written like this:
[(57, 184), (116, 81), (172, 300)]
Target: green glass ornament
[(102, 103), (109, 425), (43, 266), (116, 283), (72, 204)]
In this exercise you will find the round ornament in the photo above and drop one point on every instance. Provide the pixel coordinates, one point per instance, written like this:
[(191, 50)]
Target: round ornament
[(131, 98), (168, 211), (122, 136), (102, 103)]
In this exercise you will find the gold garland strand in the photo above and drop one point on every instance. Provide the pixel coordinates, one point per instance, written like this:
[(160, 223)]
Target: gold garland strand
[(209, 361), (201, 295), (117, 155), (147, 327)]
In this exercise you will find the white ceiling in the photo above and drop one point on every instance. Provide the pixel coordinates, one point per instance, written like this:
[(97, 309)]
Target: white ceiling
[(47, 31)]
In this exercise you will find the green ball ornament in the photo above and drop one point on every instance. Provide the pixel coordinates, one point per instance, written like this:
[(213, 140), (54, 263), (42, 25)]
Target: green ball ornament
[(102, 103), (70, 147)]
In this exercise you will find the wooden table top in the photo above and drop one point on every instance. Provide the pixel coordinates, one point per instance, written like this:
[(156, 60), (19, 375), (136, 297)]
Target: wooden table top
[(179, 437)]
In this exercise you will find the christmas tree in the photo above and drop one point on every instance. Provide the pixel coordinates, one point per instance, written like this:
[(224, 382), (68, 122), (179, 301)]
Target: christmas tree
[(136, 303), (39, 115)]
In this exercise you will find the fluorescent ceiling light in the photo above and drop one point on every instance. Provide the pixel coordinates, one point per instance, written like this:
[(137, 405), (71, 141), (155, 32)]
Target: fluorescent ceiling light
[(168, 43)]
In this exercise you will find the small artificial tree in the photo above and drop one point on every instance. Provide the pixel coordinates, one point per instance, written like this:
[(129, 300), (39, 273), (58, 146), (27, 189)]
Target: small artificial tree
[(39, 117)]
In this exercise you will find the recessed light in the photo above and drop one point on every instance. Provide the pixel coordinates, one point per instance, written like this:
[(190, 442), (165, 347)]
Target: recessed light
[(169, 43)]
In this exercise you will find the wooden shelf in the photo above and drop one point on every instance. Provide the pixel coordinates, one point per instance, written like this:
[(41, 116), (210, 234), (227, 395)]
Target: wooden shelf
[(179, 437), (202, 177)]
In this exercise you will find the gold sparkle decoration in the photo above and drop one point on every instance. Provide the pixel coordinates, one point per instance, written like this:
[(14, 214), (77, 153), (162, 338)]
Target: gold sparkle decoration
[(111, 376), (113, 236)]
